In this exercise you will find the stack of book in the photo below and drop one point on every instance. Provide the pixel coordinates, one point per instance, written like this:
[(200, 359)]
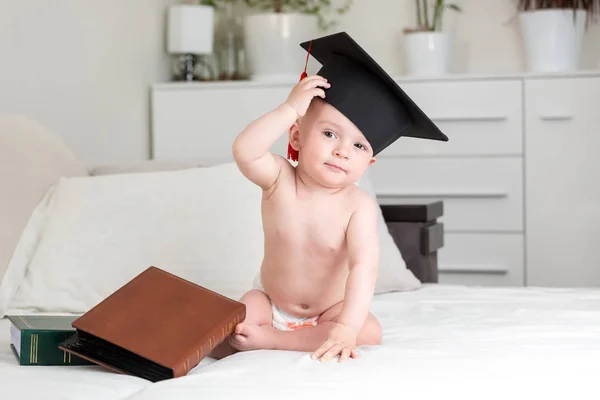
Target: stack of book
[(35, 339), (157, 326)]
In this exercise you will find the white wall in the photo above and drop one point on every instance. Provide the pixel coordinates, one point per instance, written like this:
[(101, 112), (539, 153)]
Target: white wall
[(486, 32), (84, 67)]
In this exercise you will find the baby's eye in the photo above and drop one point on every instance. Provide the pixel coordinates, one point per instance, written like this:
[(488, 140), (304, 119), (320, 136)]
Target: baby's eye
[(360, 146), (329, 134)]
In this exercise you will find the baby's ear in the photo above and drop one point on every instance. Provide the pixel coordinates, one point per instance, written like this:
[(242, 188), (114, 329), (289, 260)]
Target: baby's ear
[(294, 136), (373, 159)]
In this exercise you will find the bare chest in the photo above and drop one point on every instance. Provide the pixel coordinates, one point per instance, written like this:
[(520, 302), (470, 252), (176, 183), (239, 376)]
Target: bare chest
[(316, 227)]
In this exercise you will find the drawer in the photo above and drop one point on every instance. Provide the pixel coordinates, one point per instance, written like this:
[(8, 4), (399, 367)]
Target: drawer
[(479, 118), (478, 194), (482, 259), (201, 121)]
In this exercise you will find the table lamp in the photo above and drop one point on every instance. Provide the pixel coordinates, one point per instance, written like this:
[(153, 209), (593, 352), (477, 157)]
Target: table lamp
[(190, 33)]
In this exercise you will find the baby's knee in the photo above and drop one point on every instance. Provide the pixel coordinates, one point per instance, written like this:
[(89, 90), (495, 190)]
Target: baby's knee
[(255, 297), (371, 333), (258, 307)]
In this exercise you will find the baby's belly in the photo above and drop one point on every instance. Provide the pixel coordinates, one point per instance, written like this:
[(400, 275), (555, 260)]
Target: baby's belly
[(301, 294)]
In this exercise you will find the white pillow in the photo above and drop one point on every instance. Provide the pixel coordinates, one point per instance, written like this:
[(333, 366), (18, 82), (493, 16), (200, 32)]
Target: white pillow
[(203, 224), (91, 235)]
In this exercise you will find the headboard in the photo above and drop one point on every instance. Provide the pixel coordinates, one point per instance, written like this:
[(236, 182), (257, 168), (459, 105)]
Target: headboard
[(32, 158)]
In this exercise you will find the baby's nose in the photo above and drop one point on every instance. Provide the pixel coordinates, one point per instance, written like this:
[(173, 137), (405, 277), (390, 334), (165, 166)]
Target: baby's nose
[(341, 152)]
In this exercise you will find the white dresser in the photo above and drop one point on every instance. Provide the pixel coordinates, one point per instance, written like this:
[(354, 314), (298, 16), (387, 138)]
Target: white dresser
[(519, 177)]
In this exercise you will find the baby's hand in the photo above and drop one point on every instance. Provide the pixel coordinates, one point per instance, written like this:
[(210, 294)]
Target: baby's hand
[(341, 340), (304, 91)]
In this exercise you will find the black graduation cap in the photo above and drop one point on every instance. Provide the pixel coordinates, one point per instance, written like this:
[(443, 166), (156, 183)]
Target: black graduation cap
[(367, 95)]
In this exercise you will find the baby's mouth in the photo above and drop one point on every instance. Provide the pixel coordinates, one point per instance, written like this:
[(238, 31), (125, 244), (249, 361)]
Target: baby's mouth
[(335, 167)]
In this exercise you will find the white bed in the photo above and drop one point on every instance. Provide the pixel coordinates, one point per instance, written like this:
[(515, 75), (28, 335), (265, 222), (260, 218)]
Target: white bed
[(68, 239), (440, 341)]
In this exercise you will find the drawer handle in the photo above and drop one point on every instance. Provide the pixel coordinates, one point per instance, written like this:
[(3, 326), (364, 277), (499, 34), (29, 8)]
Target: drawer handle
[(473, 269), (479, 193), (556, 117), (484, 118)]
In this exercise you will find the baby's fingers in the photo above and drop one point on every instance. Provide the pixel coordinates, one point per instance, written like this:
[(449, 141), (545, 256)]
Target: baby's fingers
[(318, 92), (314, 81), (321, 350), (332, 352), (312, 78), (346, 351)]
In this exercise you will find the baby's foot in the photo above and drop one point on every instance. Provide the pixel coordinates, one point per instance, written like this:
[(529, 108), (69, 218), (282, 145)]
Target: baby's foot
[(252, 337)]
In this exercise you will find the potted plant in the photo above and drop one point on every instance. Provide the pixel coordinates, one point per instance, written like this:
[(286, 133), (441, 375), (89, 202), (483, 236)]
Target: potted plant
[(274, 29), (427, 46), (552, 32)]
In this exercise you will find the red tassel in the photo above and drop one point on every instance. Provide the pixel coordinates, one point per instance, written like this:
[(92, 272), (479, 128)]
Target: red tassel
[(293, 154), (303, 74)]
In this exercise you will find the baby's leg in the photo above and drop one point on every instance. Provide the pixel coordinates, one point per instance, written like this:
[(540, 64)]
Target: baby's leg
[(370, 334), (310, 339), (305, 339), (258, 312)]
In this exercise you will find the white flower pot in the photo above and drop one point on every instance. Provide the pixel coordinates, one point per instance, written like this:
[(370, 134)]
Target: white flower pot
[(552, 39), (273, 44), (427, 53)]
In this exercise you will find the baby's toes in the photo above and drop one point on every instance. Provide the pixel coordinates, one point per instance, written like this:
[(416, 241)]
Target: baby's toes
[(239, 328), (238, 342), (236, 339), (240, 338)]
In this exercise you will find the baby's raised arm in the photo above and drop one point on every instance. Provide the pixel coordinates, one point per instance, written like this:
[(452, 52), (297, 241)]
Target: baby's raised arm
[(252, 145)]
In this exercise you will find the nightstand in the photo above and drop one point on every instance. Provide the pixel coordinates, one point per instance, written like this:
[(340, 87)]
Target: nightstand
[(418, 235)]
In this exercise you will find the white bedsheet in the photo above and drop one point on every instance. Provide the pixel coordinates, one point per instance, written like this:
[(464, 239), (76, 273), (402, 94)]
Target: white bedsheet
[(440, 341)]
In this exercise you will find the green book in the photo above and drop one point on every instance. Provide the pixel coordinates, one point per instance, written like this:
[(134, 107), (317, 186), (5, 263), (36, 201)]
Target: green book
[(35, 339)]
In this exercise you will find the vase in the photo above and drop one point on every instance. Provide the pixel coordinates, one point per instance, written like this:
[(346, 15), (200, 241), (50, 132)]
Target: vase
[(230, 48), (427, 53), (552, 39), (273, 44)]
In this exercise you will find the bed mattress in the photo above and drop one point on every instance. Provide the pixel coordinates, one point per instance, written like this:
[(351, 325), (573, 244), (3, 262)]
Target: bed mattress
[(439, 341)]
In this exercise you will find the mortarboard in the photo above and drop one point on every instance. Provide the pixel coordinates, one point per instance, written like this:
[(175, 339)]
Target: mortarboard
[(366, 94)]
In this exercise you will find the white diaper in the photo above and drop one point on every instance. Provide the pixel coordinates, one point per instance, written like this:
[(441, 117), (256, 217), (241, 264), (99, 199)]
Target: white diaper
[(282, 320)]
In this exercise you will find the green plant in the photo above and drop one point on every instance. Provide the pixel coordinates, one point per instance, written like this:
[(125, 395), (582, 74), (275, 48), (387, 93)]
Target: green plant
[(314, 7), (430, 14), (216, 3), (591, 6)]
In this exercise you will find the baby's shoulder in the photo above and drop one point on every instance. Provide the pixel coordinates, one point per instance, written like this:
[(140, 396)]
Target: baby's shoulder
[(360, 198), (362, 210), (358, 192)]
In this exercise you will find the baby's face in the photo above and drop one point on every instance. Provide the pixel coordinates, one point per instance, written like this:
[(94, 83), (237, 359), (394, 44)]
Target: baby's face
[(332, 149)]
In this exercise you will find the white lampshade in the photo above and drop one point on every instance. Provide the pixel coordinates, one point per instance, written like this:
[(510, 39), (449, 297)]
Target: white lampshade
[(190, 29)]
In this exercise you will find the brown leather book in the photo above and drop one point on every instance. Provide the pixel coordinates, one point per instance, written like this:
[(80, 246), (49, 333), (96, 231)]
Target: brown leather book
[(157, 326)]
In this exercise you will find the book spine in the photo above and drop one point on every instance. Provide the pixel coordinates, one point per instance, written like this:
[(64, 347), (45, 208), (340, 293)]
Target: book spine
[(40, 347), (215, 338)]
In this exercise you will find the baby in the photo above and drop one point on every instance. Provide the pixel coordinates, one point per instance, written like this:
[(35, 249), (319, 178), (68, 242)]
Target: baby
[(321, 253)]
